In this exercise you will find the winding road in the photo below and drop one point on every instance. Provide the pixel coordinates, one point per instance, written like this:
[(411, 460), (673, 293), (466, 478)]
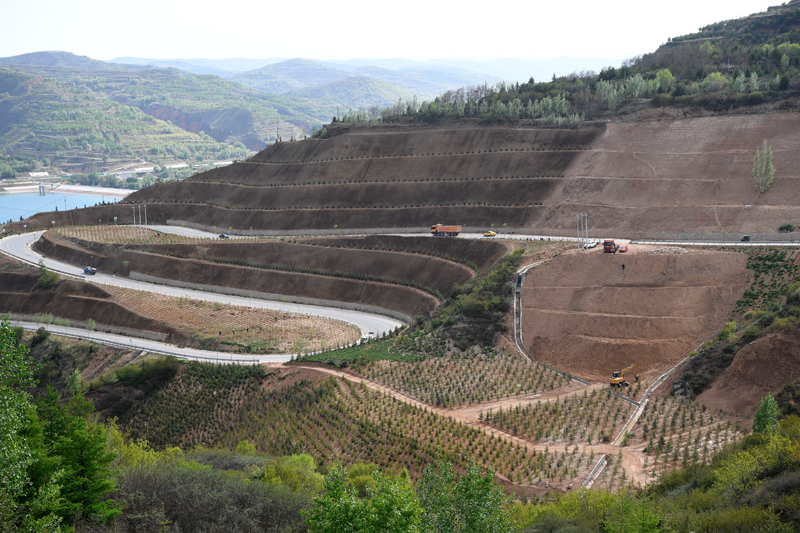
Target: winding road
[(19, 247)]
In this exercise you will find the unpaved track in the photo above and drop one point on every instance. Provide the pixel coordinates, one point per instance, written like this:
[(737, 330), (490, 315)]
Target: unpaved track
[(632, 457)]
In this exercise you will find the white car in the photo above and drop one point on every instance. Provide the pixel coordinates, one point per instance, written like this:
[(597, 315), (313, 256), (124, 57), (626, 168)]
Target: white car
[(589, 245)]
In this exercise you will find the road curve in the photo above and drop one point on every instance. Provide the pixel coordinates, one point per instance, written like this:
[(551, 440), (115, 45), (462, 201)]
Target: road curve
[(135, 343), (18, 246)]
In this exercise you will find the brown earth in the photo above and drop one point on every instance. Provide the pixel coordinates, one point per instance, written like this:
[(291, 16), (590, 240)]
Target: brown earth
[(73, 300), (583, 313), (406, 300), (763, 366), (483, 254), (675, 175), (423, 270)]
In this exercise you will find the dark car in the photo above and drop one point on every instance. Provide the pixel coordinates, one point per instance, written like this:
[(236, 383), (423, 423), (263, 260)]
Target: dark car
[(223, 235)]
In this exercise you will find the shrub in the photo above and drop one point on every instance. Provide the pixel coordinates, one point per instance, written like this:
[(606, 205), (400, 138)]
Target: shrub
[(47, 278), (786, 228), (751, 334), (40, 336)]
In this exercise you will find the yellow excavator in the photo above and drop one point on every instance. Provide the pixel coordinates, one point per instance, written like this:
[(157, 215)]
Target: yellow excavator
[(617, 379)]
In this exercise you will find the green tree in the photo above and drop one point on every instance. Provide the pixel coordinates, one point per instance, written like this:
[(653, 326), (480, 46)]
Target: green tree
[(763, 171), (390, 507), (665, 79), (24, 504), (80, 445), (766, 421), (471, 503)]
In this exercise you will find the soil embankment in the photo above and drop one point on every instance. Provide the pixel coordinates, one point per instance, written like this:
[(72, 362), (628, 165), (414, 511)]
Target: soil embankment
[(422, 270), (760, 367), (586, 314), (632, 178), (483, 254), (73, 300), (405, 300)]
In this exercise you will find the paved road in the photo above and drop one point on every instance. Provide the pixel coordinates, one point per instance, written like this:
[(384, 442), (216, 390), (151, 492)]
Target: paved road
[(18, 246), (135, 343)]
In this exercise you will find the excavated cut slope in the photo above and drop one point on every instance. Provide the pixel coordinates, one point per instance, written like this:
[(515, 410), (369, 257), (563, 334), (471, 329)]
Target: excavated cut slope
[(632, 178), (761, 367), (585, 314)]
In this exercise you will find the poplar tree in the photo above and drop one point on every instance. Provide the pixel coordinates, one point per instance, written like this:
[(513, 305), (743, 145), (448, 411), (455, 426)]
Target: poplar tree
[(763, 171)]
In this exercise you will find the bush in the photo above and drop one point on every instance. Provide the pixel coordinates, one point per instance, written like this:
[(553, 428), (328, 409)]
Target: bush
[(40, 336), (47, 278), (751, 334), (786, 228), (202, 499)]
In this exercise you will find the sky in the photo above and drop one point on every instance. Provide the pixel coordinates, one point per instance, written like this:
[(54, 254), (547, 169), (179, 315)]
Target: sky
[(348, 29)]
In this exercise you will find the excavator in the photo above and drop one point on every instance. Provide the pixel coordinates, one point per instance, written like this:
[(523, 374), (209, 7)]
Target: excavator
[(618, 378)]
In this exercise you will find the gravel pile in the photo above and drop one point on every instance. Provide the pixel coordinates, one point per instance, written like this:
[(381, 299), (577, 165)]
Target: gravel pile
[(668, 250)]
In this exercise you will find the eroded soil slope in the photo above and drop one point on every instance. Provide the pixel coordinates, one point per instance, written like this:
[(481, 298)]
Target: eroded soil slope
[(761, 367), (584, 313)]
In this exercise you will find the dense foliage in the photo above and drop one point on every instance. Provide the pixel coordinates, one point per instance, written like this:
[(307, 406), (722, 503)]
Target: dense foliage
[(476, 311)]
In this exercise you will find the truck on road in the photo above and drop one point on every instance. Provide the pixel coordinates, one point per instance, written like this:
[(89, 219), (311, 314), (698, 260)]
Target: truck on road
[(609, 247), (90, 270), (439, 229)]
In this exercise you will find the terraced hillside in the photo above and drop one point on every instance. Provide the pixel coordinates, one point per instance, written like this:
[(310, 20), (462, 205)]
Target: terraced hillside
[(387, 276), (586, 314), (690, 175)]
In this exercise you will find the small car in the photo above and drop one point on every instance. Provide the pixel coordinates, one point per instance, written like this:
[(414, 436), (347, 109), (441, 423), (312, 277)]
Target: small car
[(489, 233), (623, 249), (588, 245), (223, 235)]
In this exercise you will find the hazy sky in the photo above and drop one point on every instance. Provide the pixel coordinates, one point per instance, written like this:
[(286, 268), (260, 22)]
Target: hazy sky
[(346, 29)]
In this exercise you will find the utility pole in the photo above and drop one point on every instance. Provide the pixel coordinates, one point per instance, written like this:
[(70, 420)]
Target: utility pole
[(146, 236), (583, 228), (134, 222), (141, 234)]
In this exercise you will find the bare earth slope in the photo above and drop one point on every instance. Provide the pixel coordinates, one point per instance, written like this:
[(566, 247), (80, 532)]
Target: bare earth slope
[(688, 175), (585, 314), (761, 367)]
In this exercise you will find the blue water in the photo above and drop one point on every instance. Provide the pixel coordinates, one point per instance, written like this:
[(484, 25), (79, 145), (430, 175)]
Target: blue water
[(13, 206)]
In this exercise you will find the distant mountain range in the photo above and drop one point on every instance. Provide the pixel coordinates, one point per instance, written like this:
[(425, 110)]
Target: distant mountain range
[(452, 72), (236, 100)]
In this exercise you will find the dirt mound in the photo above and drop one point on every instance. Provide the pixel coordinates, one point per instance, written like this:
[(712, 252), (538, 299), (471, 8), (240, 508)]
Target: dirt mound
[(584, 313), (763, 366)]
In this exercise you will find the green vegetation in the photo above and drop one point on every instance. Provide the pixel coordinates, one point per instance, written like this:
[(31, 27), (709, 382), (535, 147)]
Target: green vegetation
[(476, 311), (776, 288), (766, 420), (47, 278), (750, 485), (774, 273), (763, 171), (737, 63), (445, 501), (587, 418), (54, 123)]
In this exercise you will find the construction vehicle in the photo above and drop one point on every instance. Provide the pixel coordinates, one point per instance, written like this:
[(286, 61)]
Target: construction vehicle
[(439, 229), (617, 379), (609, 247)]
